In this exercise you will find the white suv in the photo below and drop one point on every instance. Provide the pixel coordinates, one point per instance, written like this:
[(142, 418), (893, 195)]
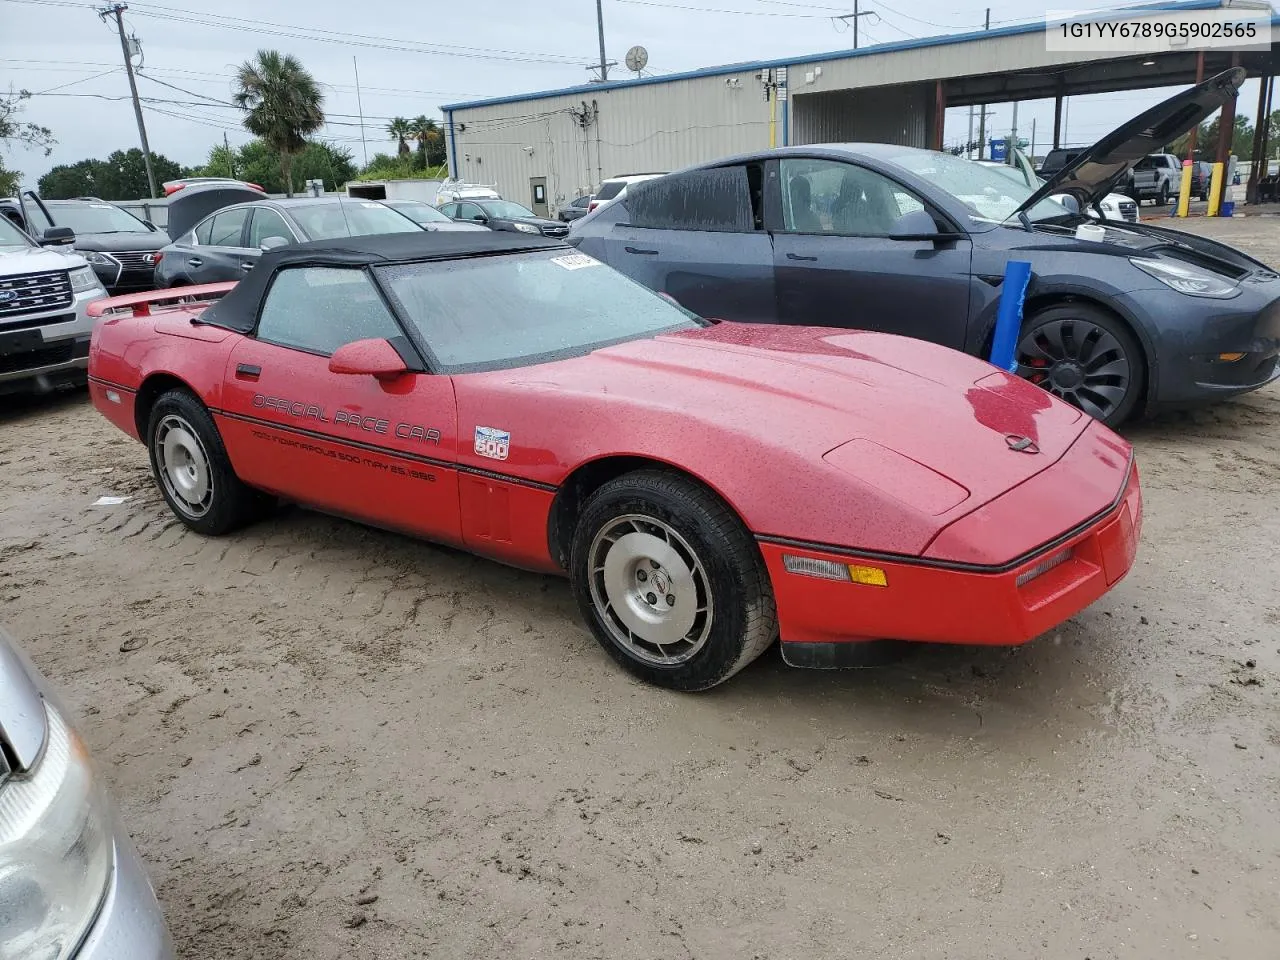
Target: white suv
[(44, 325)]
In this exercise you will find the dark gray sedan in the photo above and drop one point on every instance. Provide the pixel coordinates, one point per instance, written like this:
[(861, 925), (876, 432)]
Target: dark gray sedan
[(914, 242), (228, 242)]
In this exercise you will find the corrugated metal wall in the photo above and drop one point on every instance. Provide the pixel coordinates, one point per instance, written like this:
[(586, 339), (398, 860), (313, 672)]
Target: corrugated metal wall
[(641, 129), (892, 115)]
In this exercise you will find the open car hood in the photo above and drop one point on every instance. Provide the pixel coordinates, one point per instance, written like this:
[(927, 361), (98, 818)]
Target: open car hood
[(189, 206), (1098, 169)]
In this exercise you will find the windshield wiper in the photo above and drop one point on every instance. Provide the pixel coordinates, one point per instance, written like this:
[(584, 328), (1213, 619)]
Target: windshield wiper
[(1026, 221)]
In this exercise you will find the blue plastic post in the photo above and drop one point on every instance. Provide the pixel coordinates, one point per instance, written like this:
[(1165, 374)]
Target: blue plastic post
[(1017, 274)]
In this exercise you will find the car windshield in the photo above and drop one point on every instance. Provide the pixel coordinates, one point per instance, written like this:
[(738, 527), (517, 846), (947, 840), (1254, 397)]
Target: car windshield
[(420, 212), (990, 195), (11, 238), (505, 208), (91, 217), (490, 313), (355, 218)]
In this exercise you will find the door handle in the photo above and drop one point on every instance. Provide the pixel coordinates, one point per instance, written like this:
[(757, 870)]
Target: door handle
[(796, 256), (248, 371), (641, 250), (194, 262), (247, 265)]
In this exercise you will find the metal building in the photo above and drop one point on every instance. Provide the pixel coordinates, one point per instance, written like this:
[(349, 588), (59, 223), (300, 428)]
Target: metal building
[(544, 149)]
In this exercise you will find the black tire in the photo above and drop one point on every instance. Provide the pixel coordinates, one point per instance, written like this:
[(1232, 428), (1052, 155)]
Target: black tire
[(181, 421), (1164, 195), (727, 580), (1079, 341)]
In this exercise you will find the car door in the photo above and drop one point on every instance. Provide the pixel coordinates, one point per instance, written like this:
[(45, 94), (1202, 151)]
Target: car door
[(220, 249), (847, 253), (381, 451), (472, 211), (700, 237)]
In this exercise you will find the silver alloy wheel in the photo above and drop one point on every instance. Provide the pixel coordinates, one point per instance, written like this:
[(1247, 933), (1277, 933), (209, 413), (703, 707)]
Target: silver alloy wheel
[(184, 466), (650, 590)]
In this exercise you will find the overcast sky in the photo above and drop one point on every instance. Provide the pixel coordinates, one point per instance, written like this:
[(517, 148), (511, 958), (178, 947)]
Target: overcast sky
[(441, 52)]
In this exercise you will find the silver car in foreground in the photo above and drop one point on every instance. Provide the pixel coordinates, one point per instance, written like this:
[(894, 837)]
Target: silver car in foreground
[(71, 884)]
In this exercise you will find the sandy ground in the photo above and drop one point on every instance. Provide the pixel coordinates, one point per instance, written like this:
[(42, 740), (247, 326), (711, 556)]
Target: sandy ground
[(333, 742)]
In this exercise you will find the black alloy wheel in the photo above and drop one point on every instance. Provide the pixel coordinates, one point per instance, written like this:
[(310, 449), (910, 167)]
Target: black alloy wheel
[(1084, 356)]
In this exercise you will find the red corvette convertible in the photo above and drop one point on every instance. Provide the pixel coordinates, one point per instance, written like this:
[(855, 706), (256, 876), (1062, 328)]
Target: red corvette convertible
[(707, 487)]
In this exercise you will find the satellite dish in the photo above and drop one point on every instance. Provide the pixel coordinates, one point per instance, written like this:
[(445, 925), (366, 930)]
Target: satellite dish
[(636, 59)]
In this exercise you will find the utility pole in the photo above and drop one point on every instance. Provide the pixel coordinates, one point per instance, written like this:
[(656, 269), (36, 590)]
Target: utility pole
[(1013, 138), (604, 65), (854, 17), (231, 164), (117, 10), (360, 107), (982, 121)]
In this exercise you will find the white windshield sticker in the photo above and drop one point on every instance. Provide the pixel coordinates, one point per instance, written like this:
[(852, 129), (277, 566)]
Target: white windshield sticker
[(370, 204), (575, 261), (100, 206)]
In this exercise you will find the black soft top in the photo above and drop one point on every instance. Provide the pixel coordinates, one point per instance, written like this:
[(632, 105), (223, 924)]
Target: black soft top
[(238, 310)]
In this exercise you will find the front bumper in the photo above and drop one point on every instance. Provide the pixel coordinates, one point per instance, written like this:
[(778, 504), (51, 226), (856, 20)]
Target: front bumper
[(129, 922), (1189, 335), (42, 350), (949, 602)]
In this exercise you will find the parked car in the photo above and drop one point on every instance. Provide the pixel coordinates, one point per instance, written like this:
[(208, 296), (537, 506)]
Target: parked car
[(44, 324), (226, 244), (705, 486), (1060, 157), (504, 215), (171, 187), (576, 208), (428, 217), (120, 247), (1158, 177), (1201, 177), (914, 242), (1113, 206), (71, 884), (616, 187)]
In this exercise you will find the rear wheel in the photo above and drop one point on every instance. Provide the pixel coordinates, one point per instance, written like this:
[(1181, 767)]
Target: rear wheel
[(670, 583), (192, 469), (1087, 357)]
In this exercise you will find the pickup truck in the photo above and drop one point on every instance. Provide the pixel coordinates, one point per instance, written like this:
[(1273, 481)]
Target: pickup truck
[(1158, 177)]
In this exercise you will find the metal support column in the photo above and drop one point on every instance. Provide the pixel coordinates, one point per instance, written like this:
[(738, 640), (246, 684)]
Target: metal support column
[(939, 114), (1226, 133)]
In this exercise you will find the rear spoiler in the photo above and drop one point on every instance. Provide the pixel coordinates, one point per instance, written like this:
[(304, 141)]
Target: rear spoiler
[(141, 302)]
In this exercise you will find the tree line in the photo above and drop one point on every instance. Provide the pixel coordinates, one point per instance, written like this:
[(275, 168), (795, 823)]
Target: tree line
[(283, 107)]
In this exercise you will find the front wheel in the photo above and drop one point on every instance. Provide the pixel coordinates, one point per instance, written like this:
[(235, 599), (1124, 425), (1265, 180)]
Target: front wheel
[(670, 582), (1087, 357), (192, 469), (1164, 195)]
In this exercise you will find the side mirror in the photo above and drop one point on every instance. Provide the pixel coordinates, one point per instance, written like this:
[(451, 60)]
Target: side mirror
[(58, 237), (1068, 201), (271, 243), (480, 218), (151, 226), (371, 358)]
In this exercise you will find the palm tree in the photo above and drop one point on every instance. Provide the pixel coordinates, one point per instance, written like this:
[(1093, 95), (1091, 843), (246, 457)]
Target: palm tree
[(400, 130), (424, 131), (282, 103)]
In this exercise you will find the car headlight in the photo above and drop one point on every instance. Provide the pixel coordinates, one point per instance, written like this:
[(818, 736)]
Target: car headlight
[(83, 279), (1187, 279), (526, 228), (100, 259), (56, 850)]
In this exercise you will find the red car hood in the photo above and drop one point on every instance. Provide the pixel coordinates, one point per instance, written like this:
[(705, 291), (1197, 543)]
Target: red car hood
[(816, 390)]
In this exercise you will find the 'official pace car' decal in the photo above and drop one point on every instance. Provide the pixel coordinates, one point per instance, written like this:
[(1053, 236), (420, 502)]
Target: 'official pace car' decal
[(492, 443), (575, 261)]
